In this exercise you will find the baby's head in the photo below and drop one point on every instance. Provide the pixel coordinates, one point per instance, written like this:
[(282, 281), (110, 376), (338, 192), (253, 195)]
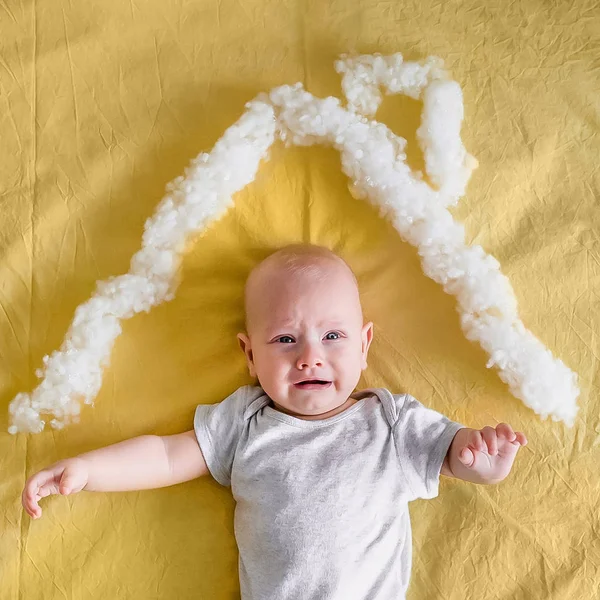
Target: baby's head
[(304, 322)]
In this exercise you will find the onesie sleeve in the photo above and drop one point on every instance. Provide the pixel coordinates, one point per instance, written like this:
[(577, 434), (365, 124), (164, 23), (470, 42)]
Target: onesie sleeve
[(218, 428), (422, 437)]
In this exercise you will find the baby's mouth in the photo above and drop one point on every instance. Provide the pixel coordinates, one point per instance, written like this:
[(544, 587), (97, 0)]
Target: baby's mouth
[(312, 384)]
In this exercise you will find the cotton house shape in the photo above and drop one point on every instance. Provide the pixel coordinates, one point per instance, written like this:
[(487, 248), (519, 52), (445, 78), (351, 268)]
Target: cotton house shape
[(373, 158)]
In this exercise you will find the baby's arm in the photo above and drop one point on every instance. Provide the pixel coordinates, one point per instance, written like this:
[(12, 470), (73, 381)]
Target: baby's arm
[(140, 463), (483, 456)]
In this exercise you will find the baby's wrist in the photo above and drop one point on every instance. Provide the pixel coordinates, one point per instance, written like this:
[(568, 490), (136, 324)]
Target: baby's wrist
[(82, 465)]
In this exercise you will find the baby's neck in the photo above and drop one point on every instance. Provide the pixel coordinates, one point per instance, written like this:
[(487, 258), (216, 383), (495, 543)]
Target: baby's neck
[(326, 415)]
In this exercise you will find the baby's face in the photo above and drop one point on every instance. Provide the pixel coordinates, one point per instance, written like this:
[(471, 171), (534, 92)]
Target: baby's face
[(305, 329)]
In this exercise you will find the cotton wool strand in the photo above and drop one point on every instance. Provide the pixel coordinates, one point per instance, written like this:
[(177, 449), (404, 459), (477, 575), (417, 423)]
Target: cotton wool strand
[(373, 158)]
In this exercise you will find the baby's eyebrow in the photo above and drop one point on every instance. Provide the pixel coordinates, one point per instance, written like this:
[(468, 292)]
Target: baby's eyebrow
[(290, 325)]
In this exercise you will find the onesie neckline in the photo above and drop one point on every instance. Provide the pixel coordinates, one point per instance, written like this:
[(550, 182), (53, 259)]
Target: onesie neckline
[(319, 423)]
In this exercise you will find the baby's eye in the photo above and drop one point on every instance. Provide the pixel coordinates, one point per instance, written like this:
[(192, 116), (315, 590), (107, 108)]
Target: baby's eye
[(285, 337), (333, 333)]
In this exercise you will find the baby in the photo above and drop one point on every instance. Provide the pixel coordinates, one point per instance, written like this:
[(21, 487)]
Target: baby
[(321, 474)]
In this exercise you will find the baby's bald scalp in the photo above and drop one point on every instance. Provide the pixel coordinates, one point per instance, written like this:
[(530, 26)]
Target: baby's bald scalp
[(294, 260)]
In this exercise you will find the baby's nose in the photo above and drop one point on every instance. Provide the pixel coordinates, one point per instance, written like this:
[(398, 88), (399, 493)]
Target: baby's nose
[(308, 358)]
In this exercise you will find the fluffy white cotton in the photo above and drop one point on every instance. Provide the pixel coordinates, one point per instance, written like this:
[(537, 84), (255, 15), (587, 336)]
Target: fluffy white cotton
[(446, 161), (73, 374), (363, 76), (374, 160)]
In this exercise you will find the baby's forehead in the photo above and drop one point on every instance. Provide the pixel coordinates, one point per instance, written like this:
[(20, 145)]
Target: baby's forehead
[(313, 283), (303, 266), (279, 270), (289, 308), (307, 311), (285, 279)]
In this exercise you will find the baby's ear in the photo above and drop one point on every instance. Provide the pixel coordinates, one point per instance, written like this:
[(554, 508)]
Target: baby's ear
[(367, 338), (244, 342)]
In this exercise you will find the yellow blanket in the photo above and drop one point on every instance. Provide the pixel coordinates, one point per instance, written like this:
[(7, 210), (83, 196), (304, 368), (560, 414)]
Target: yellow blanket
[(101, 104)]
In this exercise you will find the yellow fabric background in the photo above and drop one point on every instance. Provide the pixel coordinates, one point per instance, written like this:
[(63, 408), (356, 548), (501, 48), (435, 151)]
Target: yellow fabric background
[(101, 104)]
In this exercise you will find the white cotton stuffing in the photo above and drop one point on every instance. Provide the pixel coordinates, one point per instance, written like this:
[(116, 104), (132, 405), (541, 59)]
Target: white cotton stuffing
[(446, 160), (73, 374), (363, 76), (374, 160)]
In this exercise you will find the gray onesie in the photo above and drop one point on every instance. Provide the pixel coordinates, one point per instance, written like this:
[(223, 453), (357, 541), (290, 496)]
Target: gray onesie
[(322, 506)]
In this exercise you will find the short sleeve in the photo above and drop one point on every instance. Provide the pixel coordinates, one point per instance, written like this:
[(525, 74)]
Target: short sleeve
[(218, 429), (422, 437)]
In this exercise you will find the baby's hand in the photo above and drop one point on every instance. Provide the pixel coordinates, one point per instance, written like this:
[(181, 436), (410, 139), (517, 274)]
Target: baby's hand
[(65, 477), (486, 455)]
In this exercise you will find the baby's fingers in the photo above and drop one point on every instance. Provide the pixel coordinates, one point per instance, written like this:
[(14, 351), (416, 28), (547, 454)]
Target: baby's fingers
[(521, 438), (491, 440), (29, 499), (31, 507), (38, 486), (466, 457), (506, 431), (475, 440)]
